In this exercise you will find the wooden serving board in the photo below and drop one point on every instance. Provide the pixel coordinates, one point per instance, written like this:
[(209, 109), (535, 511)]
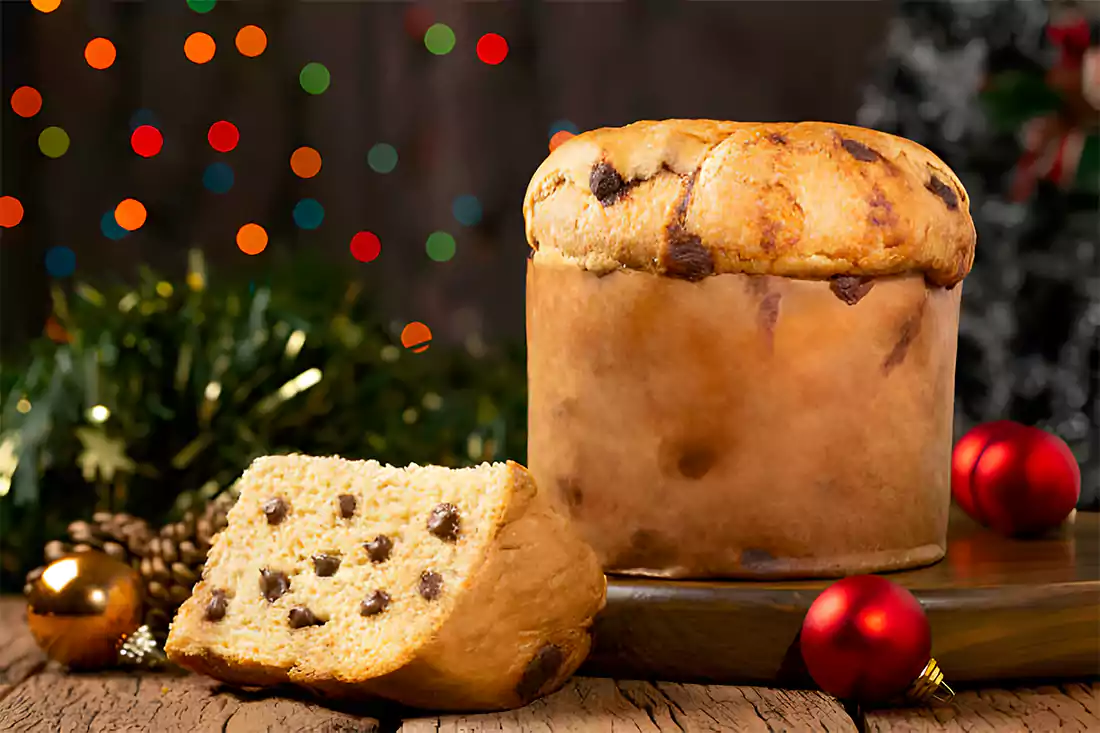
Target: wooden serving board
[(1000, 609)]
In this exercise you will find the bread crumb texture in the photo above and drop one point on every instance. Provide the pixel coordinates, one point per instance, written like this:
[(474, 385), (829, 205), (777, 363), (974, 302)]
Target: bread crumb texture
[(339, 574), (694, 198)]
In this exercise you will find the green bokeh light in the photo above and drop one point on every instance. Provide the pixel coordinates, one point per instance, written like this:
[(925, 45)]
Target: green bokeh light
[(382, 158), (441, 246), (314, 78), (439, 39), (53, 142), (201, 6)]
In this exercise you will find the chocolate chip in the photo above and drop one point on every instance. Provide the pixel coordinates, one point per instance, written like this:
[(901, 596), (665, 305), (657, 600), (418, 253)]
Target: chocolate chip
[(375, 603), (326, 565), (778, 139), (301, 617), (945, 192), (379, 548), (273, 584), (686, 257), (347, 505), (859, 151), (276, 510), (444, 522), (851, 288), (909, 332), (431, 585), (606, 183), (218, 605), (542, 668)]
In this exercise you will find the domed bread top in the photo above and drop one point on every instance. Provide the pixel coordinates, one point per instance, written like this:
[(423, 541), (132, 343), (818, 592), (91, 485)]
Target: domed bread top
[(692, 198)]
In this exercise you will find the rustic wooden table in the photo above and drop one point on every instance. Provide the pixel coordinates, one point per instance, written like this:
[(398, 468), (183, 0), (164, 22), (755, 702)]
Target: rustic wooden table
[(36, 696)]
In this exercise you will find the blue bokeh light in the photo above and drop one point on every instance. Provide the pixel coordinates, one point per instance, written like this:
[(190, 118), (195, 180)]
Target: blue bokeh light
[(467, 210), (308, 214), (563, 125), (218, 177), (110, 228), (60, 261)]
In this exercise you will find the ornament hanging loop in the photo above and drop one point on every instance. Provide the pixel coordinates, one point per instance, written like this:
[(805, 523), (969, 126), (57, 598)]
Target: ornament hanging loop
[(930, 686)]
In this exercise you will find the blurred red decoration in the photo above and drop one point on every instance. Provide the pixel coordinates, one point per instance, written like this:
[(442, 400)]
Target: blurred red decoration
[(1019, 480), (146, 141), (492, 49), (866, 639), (223, 136), (365, 246)]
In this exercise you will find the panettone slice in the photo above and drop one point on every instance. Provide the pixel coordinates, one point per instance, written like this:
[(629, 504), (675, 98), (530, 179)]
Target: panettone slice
[(435, 587)]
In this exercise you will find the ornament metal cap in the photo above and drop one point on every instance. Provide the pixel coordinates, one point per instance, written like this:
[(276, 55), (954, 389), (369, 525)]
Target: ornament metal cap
[(140, 649), (930, 685)]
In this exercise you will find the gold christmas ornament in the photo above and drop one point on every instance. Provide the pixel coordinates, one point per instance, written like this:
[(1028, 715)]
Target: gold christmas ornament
[(84, 608)]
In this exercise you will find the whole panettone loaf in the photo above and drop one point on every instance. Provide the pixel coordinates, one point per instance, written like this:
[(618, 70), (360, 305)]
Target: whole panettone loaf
[(741, 346), (437, 588)]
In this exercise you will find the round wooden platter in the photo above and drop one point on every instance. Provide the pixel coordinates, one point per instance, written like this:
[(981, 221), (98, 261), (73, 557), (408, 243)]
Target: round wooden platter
[(1000, 609)]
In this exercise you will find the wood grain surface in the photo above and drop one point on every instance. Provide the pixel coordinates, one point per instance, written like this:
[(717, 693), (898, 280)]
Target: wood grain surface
[(1001, 610), (41, 697)]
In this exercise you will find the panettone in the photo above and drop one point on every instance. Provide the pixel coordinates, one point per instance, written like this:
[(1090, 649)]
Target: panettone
[(741, 346), (437, 588)]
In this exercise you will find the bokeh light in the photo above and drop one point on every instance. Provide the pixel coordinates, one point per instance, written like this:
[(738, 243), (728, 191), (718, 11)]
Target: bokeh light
[(99, 53), (53, 142), (439, 39), (26, 101), (110, 227), (46, 6), (11, 211), (467, 210), (314, 78), (382, 158), (308, 214), (201, 6), (416, 337), (305, 162), (147, 141), (60, 261), (143, 117), (417, 20), (251, 41), (566, 125), (252, 239), (223, 136), (218, 178), (199, 48), (440, 246), (558, 138), (366, 246), (130, 214), (492, 49)]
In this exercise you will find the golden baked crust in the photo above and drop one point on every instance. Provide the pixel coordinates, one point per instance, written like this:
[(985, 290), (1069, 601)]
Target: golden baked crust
[(691, 198)]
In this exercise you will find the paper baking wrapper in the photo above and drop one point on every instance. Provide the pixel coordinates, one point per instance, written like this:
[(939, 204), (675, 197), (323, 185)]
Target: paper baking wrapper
[(743, 426)]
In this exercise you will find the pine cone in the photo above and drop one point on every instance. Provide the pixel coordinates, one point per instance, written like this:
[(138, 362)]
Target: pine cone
[(174, 558), (121, 536)]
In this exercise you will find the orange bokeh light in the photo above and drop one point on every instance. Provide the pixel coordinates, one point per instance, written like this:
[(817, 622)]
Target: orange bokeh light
[(416, 337), (199, 48), (251, 41), (11, 211), (305, 162), (252, 239), (99, 53), (559, 137), (130, 214), (46, 6), (26, 101)]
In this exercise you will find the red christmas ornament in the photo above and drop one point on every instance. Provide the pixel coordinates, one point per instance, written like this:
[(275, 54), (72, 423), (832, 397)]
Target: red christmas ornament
[(867, 639), (1016, 479)]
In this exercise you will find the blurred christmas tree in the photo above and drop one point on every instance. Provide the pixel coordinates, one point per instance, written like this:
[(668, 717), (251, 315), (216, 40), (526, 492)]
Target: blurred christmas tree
[(152, 400), (1007, 93)]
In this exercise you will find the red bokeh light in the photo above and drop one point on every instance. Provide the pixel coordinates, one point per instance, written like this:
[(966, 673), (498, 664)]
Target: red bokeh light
[(365, 246), (223, 136), (492, 48), (147, 141)]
